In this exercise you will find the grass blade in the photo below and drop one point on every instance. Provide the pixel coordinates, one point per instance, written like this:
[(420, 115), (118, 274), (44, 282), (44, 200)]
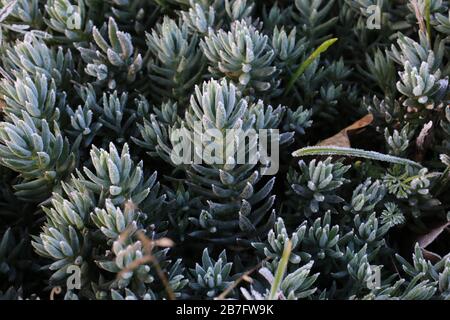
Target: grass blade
[(428, 17), (279, 274), (351, 152), (322, 48)]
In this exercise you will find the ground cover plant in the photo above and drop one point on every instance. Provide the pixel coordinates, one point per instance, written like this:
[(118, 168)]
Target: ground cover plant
[(94, 206)]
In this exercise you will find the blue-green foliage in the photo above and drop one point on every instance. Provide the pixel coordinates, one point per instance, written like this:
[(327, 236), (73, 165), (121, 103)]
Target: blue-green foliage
[(93, 92)]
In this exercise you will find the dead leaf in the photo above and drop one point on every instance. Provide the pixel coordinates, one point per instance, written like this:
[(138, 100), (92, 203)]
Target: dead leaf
[(164, 242), (433, 257), (148, 257), (130, 205), (243, 277), (426, 239), (423, 141), (339, 140), (342, 139), (419, 16)]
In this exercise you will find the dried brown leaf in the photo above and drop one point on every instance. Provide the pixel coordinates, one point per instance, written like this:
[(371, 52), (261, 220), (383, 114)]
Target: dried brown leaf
[(148, 257), (431, 256), (426, 239), (244, 277), (341, 139), (419, 16), (164, 243), (424, 140)]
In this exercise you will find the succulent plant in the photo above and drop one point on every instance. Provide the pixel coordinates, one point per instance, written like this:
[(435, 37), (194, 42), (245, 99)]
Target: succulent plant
[(238, 149)]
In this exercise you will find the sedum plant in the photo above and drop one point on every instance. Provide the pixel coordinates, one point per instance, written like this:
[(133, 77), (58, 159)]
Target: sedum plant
[(234, 209), (176, 65), (242, 55), (347, 200), (211, 277), (37, 152), (317, 183), (68, 18), (110, 55)]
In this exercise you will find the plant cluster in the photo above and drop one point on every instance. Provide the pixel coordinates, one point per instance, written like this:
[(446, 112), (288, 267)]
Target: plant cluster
[(92, 200)]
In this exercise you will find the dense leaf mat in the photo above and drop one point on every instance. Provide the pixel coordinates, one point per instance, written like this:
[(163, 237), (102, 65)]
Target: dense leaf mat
[(93, 206)]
